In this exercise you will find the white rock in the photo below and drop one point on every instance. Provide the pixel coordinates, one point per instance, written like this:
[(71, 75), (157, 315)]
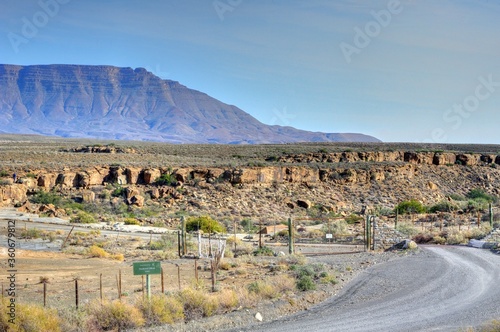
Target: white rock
[(258, 317)]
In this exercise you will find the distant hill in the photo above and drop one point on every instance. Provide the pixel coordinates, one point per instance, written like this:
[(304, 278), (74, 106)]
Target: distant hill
[(108, 102)]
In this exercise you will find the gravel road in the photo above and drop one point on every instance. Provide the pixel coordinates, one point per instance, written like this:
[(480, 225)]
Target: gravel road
[(444, 288)]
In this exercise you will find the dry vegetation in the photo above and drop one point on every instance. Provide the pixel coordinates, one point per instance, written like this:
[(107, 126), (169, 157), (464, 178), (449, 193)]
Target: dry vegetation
[(448, 216)]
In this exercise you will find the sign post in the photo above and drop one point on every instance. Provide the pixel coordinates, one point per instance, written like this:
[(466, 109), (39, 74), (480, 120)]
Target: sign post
[(147, 268)]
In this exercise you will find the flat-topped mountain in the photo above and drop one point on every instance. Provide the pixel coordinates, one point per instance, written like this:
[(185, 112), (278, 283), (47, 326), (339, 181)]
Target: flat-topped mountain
[(108, 102)]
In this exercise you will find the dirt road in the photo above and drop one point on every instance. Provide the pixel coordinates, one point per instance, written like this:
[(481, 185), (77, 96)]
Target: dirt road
[(442, 289)]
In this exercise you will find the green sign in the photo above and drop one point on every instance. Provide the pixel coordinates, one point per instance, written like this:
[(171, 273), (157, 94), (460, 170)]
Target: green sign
[(144, 268)]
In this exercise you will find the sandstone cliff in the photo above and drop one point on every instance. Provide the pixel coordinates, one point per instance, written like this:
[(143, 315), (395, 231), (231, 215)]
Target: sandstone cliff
[(341, 182)]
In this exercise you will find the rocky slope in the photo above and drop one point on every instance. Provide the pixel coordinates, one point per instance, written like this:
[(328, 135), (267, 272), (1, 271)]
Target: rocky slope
[(338, 182), (129, 104)]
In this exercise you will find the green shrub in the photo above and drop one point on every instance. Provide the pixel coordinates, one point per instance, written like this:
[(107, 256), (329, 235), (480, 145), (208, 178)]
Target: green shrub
[(457, 197), (305, 283), (328, 279), (301, 271), (32, 233), (263, 251), (131, 221), (205, 224), (43, 197), (118, 192), (83, 218), (481, 194), (443, 206), (411, 206), (166, 179), (353, 218), (4, 174)]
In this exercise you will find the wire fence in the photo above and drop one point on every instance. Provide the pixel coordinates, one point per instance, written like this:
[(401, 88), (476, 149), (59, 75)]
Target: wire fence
[(62, 291)]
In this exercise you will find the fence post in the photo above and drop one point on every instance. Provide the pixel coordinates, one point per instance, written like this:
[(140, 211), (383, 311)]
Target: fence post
[(373, 224), (76, 292), (196, 269), (179, 243), (368, 232), (290, 236), (162, 282), (44, 293), (67, 237), (100, 286)]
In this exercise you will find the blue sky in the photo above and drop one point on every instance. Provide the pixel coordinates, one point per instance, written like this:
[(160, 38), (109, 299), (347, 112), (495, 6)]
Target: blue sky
[(402, 71)]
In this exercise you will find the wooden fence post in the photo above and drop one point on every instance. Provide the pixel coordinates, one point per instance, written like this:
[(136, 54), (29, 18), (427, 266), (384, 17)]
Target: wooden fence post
[(76, 292), (196, 269), (100, 286), (44, 293), (162, 282)]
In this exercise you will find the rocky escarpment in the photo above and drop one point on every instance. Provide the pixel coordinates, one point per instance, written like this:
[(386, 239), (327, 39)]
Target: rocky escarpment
[(332, 182), (428, 158)]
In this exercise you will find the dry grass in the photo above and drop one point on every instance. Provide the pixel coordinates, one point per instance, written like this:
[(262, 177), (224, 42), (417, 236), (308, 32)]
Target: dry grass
[(197, 304), (115, 315), (31, 318), (161, 309)]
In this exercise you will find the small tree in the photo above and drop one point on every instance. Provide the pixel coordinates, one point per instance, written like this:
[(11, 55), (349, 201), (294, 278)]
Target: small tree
[(411, 206), (205, 224)]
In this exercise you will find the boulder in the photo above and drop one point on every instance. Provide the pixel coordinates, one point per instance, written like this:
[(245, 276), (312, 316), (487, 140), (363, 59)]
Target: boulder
[(467, 159), (47, 181), (155, 193), (134, 175), (150, 175), (88, 196), (444, 158), (403, 245), (131, 192), (136, 200), (304, 203)]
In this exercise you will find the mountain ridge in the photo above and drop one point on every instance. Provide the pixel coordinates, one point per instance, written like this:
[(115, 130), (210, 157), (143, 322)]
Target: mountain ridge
[(108, 102)]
